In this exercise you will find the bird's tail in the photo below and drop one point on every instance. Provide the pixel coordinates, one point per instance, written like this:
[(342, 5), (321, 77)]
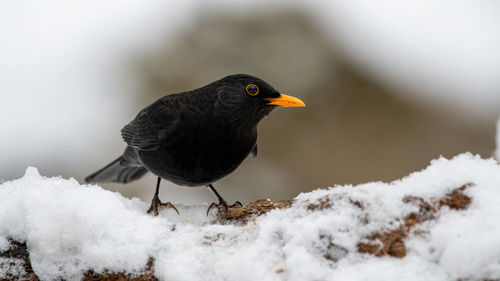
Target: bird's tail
[(124, 169)]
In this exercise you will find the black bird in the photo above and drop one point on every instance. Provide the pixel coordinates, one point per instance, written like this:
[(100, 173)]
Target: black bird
[(197, 137)]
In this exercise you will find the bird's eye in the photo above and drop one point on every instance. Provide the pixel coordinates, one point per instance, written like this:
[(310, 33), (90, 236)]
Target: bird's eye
[(252, 89)]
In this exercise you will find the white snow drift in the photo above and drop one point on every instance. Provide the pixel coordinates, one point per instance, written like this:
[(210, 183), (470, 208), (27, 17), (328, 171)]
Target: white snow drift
[(70, 228), (497, 152)]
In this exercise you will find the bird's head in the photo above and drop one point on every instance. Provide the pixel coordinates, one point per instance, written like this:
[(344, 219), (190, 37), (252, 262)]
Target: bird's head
[(253, 96)]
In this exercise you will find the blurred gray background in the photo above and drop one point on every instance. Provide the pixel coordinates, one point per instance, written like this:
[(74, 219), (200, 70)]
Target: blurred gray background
[(389, 86)]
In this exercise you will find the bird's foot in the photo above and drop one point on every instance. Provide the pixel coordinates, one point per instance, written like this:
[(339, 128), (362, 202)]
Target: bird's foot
[(223, 207), (236, 204), (157, 206)]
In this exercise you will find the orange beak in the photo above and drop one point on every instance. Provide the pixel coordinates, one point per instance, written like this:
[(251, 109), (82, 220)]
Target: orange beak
[(287, 101)]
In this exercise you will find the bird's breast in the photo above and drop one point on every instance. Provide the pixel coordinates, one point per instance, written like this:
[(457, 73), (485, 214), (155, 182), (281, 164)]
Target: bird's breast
[(202, 155)]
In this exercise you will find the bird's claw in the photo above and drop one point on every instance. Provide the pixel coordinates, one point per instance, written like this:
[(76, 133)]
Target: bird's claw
[(236, 204), (168, 205), (213, 205), (157, 206), (223, 207)]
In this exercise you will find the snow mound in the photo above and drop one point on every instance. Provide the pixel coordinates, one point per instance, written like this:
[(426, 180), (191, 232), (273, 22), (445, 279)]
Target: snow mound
[(437, 224), (497, 152)]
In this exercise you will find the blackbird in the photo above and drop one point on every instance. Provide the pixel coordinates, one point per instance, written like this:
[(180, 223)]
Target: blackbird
[(196, 137)]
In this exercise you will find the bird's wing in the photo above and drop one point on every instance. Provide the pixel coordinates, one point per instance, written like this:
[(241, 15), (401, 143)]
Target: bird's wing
[(151, 126)]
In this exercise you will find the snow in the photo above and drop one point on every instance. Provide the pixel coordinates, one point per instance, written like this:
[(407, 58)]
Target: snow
[(497, 152), (70, 228), (12, 267), (4, 244)]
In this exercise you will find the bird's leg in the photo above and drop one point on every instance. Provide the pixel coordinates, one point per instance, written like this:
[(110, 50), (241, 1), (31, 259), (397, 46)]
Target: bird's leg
[(156, 204), (156, 200), (222, 203)]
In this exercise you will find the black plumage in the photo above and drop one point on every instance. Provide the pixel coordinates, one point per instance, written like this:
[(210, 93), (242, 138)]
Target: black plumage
[(196, 137)]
